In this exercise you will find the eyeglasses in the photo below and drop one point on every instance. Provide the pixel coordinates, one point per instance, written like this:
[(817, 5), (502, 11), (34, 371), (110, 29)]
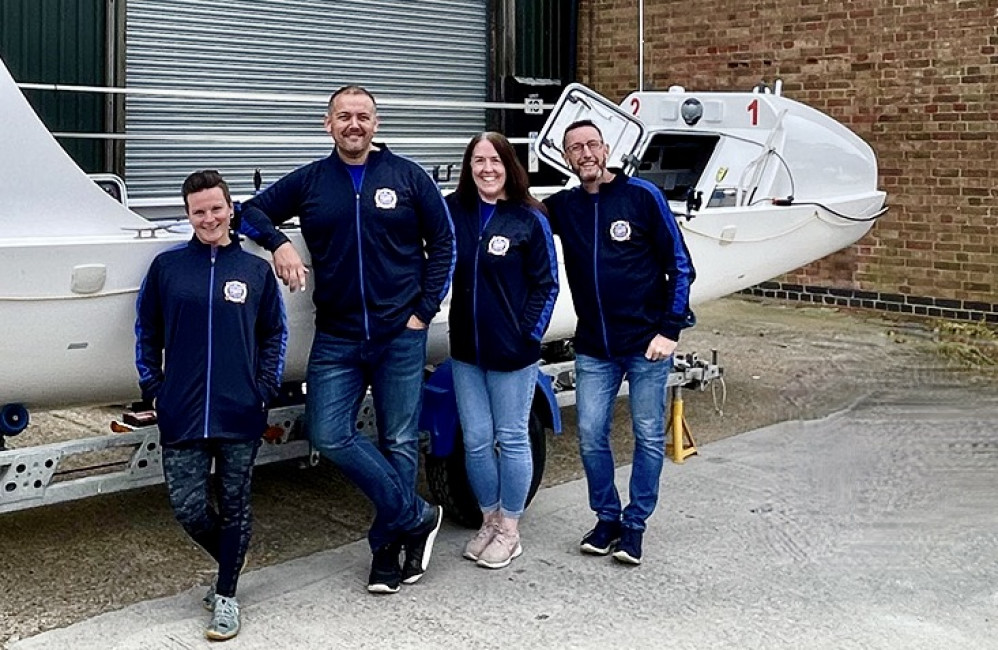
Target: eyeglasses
[(576, 148)]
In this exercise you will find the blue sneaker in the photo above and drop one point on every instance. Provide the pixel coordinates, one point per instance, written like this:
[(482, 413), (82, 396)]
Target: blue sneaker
[(629, 547), (600, 540)]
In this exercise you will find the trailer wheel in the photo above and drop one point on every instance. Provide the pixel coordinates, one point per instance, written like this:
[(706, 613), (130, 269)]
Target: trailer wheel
[(448, 478), (13, 419)]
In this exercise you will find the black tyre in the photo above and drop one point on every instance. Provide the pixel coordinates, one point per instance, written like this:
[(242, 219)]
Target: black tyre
[(448, 478)]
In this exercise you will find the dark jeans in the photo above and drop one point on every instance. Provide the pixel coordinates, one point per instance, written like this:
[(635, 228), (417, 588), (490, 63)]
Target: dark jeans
[(339, 372), (224, 533)]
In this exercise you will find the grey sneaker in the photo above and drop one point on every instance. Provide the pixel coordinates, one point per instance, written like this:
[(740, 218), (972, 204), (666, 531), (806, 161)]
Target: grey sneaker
[(209, 597), (478, 543), (225, 622), (504, 548)]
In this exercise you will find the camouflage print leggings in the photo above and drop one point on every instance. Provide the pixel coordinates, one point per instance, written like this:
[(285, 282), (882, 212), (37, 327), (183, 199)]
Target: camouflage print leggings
[(224, 533)]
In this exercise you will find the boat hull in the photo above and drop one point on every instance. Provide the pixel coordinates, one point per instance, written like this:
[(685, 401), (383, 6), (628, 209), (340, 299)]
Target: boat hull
[(61, 348)]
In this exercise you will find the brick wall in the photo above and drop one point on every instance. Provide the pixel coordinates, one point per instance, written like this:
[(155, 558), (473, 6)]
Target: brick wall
[(917, 79)]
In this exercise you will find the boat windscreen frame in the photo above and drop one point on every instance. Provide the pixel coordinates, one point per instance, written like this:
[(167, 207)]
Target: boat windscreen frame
[(623, 133)]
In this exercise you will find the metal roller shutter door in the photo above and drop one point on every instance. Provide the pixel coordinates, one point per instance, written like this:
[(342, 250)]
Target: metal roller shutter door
[(430, 50)]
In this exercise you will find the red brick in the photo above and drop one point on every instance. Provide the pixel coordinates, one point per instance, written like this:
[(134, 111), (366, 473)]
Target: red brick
[(915, 78)]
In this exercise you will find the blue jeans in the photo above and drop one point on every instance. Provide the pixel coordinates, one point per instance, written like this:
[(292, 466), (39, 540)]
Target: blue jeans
[(494, 408), (597, 384), (224, 534), (339, 373)]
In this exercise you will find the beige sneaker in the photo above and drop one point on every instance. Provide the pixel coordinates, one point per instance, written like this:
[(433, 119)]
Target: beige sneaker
[(504, 548), (478, 543)]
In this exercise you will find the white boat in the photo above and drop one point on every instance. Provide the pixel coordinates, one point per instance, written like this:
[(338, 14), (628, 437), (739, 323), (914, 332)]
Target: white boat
[(72, 258), (761, 184)]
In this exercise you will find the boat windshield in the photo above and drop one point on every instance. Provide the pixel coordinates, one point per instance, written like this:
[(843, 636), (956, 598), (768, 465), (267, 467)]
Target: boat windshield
[(676, 161)]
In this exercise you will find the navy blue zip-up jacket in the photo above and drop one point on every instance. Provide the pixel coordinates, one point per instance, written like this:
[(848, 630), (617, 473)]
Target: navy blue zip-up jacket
[(627, 265), (379, 255), (505, 285), (218, 314)]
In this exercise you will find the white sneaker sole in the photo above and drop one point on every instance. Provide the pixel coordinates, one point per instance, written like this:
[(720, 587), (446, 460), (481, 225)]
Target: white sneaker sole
[(220, 636), (626, 558), (589, 549), (517, 552), (428, 548)]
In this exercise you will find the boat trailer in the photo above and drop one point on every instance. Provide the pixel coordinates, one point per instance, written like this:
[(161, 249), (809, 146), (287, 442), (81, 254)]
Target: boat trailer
[(130, 457)]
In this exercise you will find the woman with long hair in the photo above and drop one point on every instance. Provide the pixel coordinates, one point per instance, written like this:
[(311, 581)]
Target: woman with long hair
[(505, 286)]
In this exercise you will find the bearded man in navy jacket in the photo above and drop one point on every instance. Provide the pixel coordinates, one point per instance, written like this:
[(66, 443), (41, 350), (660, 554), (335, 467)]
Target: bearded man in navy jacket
[(382, 248), (630, 276)]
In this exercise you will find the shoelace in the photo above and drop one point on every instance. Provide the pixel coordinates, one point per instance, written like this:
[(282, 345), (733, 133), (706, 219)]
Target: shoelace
[(487, 530), (226, 612), (506, 539)]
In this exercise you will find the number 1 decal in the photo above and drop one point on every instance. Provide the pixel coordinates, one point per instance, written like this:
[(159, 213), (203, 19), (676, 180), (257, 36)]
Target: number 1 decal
[(754, 109), (635, 105)]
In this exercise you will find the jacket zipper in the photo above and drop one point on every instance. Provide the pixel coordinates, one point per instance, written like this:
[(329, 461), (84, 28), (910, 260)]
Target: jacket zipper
[(211, 318), (599, 301), (474, 283), (360, 255)]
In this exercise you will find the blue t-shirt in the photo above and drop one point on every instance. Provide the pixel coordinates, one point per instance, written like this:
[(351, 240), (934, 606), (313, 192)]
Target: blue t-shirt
[(485, 212), (357, 173)]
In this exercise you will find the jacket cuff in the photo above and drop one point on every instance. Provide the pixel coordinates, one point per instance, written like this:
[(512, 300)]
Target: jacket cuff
[(150, 392), (277, 241), (423, 313), (671, 333)]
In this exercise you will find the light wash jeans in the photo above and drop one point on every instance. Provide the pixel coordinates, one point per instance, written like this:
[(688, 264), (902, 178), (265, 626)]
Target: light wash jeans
[(339, 372), (597, 384), (494, 408)]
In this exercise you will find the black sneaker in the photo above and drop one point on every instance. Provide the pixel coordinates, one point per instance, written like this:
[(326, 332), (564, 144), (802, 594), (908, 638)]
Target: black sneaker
[(419, 545), (600, 540), (386, 574), (629, 547)]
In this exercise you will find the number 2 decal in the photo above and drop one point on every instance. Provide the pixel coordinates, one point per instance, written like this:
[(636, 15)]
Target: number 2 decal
[(754, 109), (635, 105)]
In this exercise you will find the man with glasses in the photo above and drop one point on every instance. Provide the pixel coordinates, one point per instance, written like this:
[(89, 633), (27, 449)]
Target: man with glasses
[(630, 275)]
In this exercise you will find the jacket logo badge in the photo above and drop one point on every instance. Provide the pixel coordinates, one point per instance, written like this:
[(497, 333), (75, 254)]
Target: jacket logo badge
[(620, 230), (498, 245), (235, 291), (385, 198)]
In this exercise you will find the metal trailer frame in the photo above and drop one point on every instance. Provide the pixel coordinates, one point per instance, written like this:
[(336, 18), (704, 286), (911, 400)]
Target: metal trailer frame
[(43, 475)]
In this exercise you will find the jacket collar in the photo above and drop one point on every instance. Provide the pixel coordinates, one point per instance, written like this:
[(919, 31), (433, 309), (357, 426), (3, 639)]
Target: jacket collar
[(198, 245), (379, 151), (619, 178)]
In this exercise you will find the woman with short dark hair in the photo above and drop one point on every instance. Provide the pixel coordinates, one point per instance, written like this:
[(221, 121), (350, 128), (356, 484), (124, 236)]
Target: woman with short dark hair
[(216, 312)]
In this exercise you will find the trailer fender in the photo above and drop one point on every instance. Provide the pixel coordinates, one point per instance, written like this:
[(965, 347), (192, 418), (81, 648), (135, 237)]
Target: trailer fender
[(440, 420), (438, 416), (548, 407)]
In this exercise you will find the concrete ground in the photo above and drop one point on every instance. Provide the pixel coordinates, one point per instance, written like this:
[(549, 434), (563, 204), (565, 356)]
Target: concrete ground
[(770, 534), (872, 528)]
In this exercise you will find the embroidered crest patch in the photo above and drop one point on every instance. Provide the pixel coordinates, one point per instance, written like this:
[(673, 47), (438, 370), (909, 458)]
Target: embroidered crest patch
[(620, 230), (235, 291), (385, 198), (498, 245)]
